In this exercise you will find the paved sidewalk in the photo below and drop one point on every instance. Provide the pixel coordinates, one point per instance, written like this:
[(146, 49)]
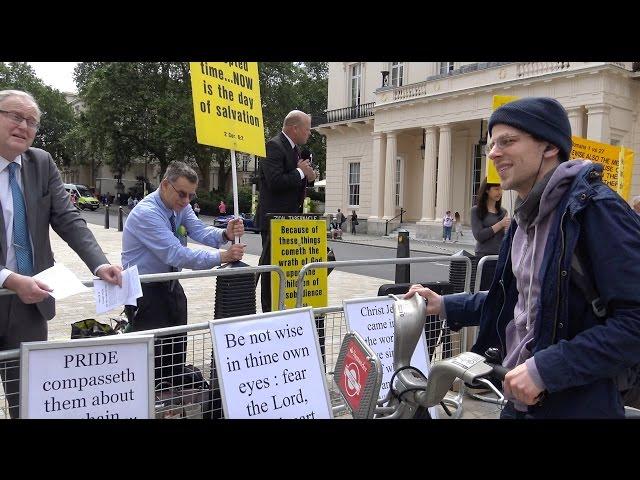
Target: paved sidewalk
[(467, 242), (201, 291), (391, 241)]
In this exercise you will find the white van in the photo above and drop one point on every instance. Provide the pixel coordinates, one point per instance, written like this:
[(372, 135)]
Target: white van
[(85, 197)]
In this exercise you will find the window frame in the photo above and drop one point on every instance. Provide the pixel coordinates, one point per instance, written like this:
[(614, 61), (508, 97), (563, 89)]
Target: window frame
[(356, 184)]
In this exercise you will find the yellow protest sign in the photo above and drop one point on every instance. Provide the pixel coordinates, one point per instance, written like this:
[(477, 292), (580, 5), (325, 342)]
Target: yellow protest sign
[(498, 101), (294, 243), (617, 162), (227, 107)]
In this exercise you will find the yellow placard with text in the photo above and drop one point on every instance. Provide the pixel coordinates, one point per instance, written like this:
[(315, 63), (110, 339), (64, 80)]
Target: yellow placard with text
[(227, 107), (617, 162), (498, 101), (294, 243)]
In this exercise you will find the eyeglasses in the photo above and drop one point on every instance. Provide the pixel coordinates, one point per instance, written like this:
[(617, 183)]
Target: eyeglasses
[(505, 141), (182, 194), (17, 119)]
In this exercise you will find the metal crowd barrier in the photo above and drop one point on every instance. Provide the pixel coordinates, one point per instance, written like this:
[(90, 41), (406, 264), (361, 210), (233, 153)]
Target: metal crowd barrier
[(171, 402), (473, 331), (441, 342), (194, 401)]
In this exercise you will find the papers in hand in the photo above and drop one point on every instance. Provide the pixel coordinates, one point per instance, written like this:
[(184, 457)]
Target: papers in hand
[(62, 280), (109, 296)]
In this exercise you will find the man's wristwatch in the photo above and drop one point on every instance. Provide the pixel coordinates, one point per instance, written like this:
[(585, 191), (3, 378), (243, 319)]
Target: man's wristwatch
[(224, 235)]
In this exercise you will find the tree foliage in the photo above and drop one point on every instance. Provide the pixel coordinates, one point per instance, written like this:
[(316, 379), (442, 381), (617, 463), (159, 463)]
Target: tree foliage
[(57, 116), (286, 86), (135, 110)]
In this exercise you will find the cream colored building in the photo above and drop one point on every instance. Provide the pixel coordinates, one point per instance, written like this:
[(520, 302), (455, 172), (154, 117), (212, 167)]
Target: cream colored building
[(411, 135)]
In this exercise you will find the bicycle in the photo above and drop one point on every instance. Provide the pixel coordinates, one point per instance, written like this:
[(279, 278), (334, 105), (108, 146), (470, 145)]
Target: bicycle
[(413, 393)]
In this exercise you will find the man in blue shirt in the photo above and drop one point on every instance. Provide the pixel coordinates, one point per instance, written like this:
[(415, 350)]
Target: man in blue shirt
[(155, 239)]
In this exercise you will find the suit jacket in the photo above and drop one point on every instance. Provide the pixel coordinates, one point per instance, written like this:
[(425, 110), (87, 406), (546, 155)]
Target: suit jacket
[(48, 203), (280, 184)]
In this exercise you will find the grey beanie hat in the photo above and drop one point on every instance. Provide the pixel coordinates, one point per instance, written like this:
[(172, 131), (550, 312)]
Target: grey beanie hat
[(544, 118)]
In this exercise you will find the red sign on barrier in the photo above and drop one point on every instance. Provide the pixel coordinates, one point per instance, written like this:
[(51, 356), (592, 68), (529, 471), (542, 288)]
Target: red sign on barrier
[(355, 373)]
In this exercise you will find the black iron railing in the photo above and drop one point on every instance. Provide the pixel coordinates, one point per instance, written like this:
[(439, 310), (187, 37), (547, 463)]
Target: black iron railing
[(386, 225), (343, 114)]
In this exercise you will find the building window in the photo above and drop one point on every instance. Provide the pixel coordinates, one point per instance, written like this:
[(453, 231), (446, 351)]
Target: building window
[(245, 163), (446, 67), (398, 183), (397, 74), (476, 172), (354, 184), (356, 83)]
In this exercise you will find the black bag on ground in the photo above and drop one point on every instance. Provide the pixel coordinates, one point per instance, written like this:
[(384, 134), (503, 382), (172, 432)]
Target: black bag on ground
[(192, 378), (89, 328)]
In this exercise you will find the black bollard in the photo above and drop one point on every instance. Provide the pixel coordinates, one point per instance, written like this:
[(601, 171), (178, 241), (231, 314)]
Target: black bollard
[(106, 216), (403, 272), (120, 219)]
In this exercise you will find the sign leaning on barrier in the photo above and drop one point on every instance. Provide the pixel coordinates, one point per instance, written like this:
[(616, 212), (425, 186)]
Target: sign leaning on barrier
[(269, 366), (98, 378), (298, 239), (373, 319)]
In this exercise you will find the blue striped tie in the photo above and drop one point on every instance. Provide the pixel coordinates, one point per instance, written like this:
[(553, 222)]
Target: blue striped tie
[(21, 242), (172, 220)]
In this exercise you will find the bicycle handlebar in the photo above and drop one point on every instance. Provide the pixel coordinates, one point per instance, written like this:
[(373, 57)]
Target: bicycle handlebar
[(411, 390)]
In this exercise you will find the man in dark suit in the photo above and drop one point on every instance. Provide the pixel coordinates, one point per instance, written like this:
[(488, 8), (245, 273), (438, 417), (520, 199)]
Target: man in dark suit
[(283, 177), (32, 197)]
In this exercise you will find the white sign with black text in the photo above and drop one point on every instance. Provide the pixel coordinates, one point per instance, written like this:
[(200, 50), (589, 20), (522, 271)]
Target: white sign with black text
[(270, 366), (106, 377), (373, 319)]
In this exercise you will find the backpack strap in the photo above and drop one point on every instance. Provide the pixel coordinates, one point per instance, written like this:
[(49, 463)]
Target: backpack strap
[(586, 286)]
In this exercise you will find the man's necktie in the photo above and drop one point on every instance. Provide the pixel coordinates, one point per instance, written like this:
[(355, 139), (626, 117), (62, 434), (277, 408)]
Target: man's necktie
[(303, 192), (172, 221), (21, 242)]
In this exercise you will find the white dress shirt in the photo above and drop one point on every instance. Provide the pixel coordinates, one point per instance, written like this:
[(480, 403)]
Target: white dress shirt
[(293, 145), (6, 200)]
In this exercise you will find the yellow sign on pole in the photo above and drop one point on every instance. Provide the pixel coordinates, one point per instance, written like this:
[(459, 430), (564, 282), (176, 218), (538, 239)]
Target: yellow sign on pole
[(294, 243), (617, 162), (227, 107), (498, 101)]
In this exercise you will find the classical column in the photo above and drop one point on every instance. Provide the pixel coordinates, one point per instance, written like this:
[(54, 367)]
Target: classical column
[(377, 174), (390, 176), (443, 202), (575, 119), (598, 122), (429, 175)]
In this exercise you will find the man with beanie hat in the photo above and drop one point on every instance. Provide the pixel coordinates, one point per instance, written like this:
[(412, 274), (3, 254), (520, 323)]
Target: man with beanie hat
[(563, 308)]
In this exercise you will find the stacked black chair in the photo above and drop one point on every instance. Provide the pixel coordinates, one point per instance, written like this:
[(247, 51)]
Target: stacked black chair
[(458, 270), (235, 296)]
